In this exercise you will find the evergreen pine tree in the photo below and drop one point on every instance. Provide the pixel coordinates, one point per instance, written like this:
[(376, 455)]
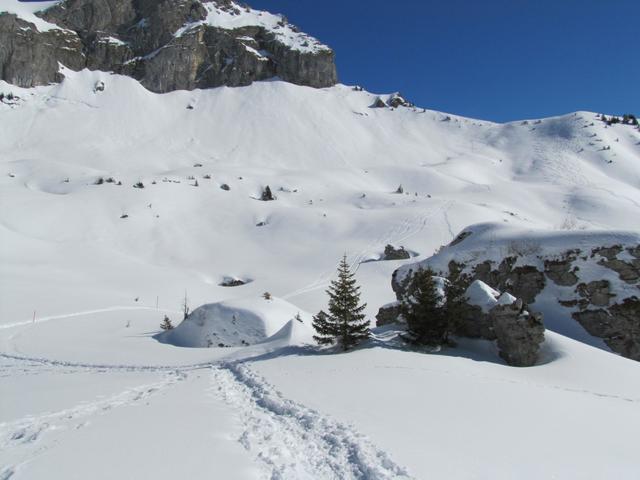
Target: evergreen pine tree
[(166, 324), (422, 310), (456, 301), (345, 323)]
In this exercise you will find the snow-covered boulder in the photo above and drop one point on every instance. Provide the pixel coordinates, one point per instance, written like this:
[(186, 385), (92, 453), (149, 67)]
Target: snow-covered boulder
[(242, 322), (490, 315), (592, 277)]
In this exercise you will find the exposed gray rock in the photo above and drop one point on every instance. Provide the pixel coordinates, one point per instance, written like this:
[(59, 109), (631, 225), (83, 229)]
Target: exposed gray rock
[(596, 293), (388, 314), (29, 57), (85, 16), (397, 100), (103, 52), (610, 253), (628, 272), (378, 103), (392, 253), (524, 282), (562, 272), (138, 38), (618, 326), (519, 333), (233, 282)]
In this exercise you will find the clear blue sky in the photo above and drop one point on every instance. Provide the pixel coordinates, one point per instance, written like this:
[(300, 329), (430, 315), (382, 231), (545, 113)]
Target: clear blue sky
[(494, 59)]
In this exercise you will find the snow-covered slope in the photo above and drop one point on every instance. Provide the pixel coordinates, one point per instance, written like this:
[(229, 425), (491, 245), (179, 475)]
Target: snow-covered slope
[(332, 161), (89, 267)]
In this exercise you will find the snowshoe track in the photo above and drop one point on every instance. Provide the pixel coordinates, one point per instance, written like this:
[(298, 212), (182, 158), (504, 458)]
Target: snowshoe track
[(292, 441)]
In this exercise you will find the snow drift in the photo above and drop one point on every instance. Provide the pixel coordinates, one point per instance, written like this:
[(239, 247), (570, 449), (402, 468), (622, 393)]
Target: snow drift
[(241, 322)]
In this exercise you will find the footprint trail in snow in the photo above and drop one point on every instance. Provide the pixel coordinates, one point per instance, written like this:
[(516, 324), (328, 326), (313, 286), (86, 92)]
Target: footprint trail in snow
[(292, 441)]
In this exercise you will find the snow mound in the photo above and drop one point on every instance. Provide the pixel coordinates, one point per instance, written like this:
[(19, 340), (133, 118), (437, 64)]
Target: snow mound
[(485, 297), (482, 295), (241, 322)]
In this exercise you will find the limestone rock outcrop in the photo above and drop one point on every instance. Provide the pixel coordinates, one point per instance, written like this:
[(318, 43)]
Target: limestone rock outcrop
[(165, 44), (517, 331), (589, 277)]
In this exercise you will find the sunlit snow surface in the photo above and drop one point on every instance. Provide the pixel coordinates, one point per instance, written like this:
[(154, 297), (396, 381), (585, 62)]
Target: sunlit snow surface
[(89, 392)]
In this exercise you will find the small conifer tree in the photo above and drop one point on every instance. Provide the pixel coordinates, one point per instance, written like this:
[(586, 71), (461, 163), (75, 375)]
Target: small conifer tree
[(422, 310), (456, 301), (267, 195), (166, 324), (345, 323)]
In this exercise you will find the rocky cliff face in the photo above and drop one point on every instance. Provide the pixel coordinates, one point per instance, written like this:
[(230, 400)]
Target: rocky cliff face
[(589, 277), (165, 44)]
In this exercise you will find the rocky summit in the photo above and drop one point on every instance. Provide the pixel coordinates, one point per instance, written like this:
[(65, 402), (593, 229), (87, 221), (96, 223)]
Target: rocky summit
[(165, 44)]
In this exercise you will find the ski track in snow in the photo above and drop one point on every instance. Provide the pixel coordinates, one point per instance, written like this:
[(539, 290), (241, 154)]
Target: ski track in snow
[(22, 437), (292, 441), (400, 232), (5, 326)]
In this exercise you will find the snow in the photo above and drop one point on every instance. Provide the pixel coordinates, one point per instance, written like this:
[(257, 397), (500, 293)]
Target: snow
[(482, 295), (88, 391), (240, 322), (112, 41), (27, 10), (459, 415), (495, 241), (506, 299), (235, 16)]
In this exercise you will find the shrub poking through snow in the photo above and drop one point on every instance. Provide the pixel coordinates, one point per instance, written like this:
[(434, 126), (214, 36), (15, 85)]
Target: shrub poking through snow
[(139, 185), (345, 323), (185, 306), (166, 324), (267, 296)]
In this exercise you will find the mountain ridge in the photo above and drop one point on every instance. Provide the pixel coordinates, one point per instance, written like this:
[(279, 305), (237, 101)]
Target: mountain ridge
[(167, 45)]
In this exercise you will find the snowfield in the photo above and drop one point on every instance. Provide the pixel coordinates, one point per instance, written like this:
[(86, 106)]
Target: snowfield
[(89, 266)]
